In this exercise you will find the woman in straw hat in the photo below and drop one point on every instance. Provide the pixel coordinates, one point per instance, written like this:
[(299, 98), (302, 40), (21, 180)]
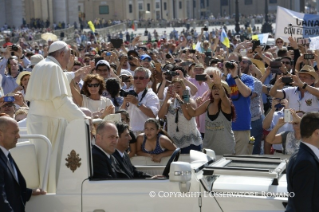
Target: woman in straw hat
[(219, 114), (22, 81)]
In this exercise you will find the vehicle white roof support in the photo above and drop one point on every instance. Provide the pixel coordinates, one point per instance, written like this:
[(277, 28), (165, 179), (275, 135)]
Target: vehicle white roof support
[(47, 161)]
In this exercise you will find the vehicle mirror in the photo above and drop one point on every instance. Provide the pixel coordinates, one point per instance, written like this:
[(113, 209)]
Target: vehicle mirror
[(181, 172), (210, 153)]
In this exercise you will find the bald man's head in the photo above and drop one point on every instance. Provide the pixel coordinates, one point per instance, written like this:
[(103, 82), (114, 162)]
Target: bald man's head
[(9, 132)]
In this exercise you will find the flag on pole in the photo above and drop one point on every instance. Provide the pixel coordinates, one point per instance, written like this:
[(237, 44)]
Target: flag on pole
[(91, 25), (224, 39)]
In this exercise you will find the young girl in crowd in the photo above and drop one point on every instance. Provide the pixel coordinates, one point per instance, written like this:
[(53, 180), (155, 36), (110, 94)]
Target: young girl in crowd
[(152, 143), (219, 114)]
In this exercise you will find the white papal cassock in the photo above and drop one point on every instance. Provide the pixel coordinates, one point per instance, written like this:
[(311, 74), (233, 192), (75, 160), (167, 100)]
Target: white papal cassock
[(51, 108)]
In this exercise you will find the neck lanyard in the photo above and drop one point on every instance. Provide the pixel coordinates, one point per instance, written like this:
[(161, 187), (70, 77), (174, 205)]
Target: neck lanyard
[(143, 95)]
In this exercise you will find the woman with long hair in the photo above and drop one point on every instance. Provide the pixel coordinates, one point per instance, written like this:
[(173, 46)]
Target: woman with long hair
[(219, 114), (92, 98), (181, 127), (152, 143), (113, 88)]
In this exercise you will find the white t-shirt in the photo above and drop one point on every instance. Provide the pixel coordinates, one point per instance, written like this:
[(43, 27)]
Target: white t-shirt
[(138, 118), (96, 105)]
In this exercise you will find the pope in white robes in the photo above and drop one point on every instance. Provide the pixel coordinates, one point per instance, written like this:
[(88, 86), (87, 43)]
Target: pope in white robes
[(51, 106)]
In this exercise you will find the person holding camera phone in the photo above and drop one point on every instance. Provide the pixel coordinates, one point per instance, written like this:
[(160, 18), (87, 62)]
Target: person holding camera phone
[(302, 95), (219, 113), (12, 64), (242, 87), (290, 139), (144, 105), (181, 127), (277, 111)]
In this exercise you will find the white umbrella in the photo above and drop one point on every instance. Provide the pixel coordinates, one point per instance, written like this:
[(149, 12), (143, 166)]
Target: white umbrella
[(49, 36)]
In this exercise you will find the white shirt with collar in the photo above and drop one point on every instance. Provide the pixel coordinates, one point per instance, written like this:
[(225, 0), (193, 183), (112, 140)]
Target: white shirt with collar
[(138, 118), (103, 151), (309, 103), (313, 148)]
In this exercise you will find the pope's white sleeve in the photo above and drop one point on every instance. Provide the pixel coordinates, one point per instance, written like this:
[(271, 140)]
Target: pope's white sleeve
[(69, 76), (67, 108)]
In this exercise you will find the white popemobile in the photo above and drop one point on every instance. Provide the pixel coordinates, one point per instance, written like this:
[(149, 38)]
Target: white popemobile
[(196, 182)]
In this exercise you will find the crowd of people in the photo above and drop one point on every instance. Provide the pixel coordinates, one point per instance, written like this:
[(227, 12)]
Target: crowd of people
[(240, 96), (175, 92)]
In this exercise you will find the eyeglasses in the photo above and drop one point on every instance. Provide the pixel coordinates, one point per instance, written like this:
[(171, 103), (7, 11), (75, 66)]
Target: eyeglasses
[(285, 62), (146, 60), (94, 85), (8, 105), (140, 78)]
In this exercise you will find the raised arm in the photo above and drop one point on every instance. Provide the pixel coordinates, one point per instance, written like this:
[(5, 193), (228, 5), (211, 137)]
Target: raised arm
[(77, 97), (273, 137)]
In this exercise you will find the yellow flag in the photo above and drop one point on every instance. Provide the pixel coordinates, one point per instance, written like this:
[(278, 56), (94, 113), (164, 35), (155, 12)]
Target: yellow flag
[(255, 37), (91, 25)]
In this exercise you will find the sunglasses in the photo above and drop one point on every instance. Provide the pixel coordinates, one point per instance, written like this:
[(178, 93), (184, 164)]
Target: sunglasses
[(146, 60), (279, 42), (140, 78), (8, 105), (94, 85), (285, 62)]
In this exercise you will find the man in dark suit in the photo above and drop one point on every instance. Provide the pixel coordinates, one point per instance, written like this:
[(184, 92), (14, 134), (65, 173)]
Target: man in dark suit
[(303, 168), (122, 157), (13, 191), (104, 164)]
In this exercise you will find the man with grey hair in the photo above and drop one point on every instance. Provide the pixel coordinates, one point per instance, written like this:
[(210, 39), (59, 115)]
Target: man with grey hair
[(51, 105), (143, 103)]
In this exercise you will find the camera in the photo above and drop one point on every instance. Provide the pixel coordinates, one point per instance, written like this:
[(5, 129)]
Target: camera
[(205, 28), (8, 99), (171, 73), (14, 48), (309, 56), (124, 93), (230, 64)]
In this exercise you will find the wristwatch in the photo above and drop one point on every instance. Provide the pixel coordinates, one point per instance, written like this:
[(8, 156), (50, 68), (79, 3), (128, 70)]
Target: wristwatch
[(139, 104), (236, 77), (304, 85)]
